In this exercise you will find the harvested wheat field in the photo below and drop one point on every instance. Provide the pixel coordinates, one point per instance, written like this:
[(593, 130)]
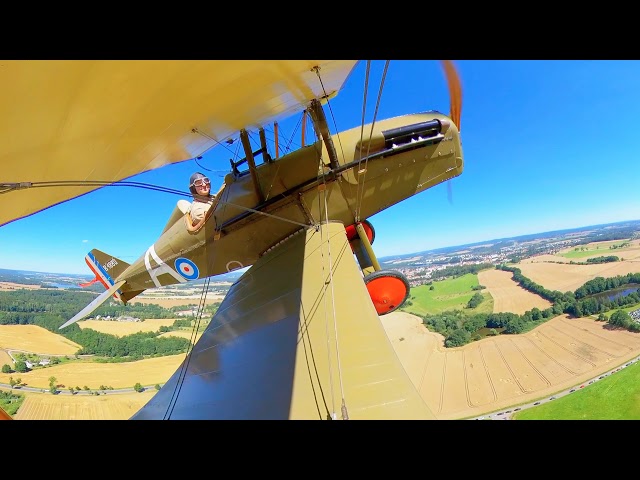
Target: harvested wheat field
[(5, 359), (182, 334), (93, 375), (44, 406), (168, 302), (507, 295), (506, 370), (8, 286), (631, 252), (566, 278), (121, 329), (545, 258), (32, 338)]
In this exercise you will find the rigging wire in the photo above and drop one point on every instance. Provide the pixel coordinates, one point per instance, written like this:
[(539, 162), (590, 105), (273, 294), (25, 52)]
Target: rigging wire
[(373, 122), (364, 109), (206, 135), (344, 411), (266, 214), (9, 187), (5, 188), (304, 331), (335, 126), (323, 187), (200, 311), (147, 186), (343, 407), (192, 340)]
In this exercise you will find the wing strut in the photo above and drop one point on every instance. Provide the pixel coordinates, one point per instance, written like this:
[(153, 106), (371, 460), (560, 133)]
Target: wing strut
[(263, 147), (244, 136), (320, 124)]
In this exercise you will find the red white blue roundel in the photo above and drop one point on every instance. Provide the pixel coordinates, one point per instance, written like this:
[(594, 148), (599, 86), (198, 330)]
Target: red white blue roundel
[(187, 268)]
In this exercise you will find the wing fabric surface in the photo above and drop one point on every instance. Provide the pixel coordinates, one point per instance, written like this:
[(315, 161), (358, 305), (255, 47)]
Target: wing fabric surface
[(107, 120), (291, 341)]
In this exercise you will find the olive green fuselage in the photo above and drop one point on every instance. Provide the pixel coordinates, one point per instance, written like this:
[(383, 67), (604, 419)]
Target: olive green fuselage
[(404, 156)]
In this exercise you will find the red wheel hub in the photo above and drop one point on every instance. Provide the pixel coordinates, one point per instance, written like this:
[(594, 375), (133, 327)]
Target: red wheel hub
[(352, 233), (387, 292)]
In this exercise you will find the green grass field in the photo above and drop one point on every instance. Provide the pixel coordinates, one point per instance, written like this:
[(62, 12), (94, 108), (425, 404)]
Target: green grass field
[(450, 294), (612, 398), (603, 250), (610, 312)]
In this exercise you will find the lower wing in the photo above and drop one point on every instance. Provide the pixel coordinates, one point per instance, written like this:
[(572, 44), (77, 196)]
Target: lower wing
[(296, 337)]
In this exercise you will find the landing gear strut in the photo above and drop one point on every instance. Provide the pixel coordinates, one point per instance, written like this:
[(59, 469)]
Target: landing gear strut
[(388, 289)]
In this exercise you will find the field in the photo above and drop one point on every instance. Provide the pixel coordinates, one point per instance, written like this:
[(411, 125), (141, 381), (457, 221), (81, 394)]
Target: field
[(38, 406), (571, 277), (450, 294), (121, 329), (168, 302), (188, 334), (8, 286), (5, 359), (93, 374), (545, 271), (502, 371), (78, 374), (602, 249), (35, 339), (607, 399), (507, 295), (479, 378)]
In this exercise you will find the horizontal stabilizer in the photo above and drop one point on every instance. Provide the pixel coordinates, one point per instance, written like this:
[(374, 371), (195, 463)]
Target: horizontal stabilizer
[(95, 304)]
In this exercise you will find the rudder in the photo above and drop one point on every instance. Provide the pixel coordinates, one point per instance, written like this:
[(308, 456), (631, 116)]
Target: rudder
[(106, 268)]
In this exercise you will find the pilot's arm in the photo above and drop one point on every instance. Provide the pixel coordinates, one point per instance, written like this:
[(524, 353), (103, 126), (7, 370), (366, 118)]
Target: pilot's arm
[(199, 210)]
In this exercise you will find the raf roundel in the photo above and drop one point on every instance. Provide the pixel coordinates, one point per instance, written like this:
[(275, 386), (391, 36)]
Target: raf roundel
[(187, 268)]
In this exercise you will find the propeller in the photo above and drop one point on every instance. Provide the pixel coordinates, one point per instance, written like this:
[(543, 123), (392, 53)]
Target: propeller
[(455, 91), (455, 103)]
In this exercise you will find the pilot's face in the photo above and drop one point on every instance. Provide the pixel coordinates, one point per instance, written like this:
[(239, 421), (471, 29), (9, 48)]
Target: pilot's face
[(203, 186)]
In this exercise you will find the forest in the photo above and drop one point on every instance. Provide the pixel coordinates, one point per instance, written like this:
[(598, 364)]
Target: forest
[(51, 308)]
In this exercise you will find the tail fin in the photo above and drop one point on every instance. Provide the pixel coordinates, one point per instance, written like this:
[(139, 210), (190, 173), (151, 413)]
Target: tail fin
[(106, 268)]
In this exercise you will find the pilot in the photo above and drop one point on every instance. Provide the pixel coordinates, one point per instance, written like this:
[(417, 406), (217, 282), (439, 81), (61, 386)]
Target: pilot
[(200, 187)]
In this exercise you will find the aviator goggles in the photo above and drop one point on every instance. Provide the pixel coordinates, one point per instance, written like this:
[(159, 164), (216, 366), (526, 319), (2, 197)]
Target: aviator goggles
[(202, 182)]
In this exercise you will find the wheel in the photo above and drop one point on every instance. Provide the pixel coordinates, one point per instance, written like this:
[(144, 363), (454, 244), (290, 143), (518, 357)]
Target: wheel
[(352, 233), (388, 289)]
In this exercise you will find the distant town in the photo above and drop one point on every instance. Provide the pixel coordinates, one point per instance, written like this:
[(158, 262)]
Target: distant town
[(418, 267)]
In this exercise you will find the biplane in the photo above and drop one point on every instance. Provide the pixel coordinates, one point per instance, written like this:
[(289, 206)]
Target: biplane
[(298, 335)]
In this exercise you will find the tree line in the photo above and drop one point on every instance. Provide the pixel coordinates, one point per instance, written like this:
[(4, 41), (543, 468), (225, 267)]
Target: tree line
[(50, 308), (460, 329), (460, 270)]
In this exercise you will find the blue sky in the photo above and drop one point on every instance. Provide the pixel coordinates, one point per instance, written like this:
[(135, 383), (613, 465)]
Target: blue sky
[(547, 145)]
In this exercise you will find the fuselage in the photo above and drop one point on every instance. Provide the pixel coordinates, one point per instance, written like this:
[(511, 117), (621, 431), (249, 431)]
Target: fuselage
[(402, 157)]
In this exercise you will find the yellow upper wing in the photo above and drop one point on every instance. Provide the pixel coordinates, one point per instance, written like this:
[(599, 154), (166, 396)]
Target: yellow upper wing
[(106, 120)]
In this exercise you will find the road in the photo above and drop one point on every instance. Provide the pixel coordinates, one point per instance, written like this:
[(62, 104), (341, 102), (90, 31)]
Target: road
[(115, 391), (61, 391)]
